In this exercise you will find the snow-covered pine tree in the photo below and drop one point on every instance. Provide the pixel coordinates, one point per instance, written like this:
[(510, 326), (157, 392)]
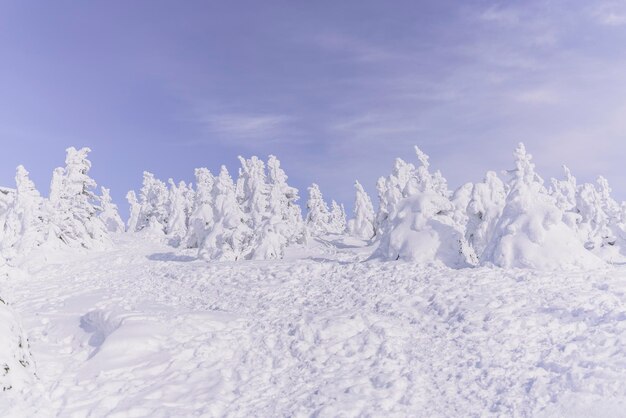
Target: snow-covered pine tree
[(135, 211), (153, 198), (318, 216), (27, 221), (108, 212), (267, 241), (282, 202), (176, 227), (338, 222), (565, 192), (599, 224), (6, 200), (74, 204), (420, 226), (255, 191), (229, 237), (483, 211), (362, 225), (460, 200), (201, 218), (530, 232)]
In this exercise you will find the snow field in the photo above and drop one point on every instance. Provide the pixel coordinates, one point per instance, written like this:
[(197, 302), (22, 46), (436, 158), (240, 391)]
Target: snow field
[(145, 330)]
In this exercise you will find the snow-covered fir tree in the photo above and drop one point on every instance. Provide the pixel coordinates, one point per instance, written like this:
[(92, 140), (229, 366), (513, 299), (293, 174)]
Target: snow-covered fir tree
[(338, 223), (201, 218), (318, 216), (362, 225), (421, 227), (530, 232), (108, 212), (135, 211), (153, 198), (460, 200), (27, 219), (176, 227), (74, 204), (229, 238), (487, 200), (283, 202)]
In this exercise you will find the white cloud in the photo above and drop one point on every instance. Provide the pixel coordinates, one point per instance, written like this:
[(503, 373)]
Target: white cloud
[(610, 14), (500, 15), (537, 96), (248, 128)]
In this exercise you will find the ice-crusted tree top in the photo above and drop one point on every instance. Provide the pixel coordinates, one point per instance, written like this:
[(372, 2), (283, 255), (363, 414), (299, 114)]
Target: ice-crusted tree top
[(77, 166), (24, 185), (524, 167), (204, 186), (422, 157)]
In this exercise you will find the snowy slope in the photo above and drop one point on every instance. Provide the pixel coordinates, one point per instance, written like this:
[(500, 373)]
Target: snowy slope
[(147, 330)]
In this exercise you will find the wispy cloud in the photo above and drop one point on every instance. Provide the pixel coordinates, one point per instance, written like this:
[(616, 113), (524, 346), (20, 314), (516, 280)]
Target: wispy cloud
[(610, 14), (247, 126), (500, 15), (537, 96)]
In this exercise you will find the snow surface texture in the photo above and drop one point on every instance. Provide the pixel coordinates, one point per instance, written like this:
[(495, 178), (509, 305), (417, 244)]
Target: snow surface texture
[(147, 330)]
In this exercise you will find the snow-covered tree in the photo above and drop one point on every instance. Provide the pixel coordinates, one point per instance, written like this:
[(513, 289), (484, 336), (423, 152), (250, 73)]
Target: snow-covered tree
[(337, 222), (108, 212), (27, 220), (176, 227), (460, 200), (362, 225), (530, 232), (318, 216), (135, 211), (230, 235), (282, 202), (74, 204), (483, 211), (421, 227), (153, 198), (201, 218)]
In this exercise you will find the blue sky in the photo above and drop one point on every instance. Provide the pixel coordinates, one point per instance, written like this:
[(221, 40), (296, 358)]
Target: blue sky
[(336, 90)]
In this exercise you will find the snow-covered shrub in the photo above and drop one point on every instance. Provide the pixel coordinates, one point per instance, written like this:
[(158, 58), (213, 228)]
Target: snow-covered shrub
[(108, 212), (421, 227), (17, 369), (530, 232), (362, 225), (487, 200)]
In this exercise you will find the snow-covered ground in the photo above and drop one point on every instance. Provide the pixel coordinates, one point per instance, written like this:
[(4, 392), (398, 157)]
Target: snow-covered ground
[(146, 330)]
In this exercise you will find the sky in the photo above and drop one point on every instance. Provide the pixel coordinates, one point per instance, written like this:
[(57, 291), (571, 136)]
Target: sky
[(337, 90)]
